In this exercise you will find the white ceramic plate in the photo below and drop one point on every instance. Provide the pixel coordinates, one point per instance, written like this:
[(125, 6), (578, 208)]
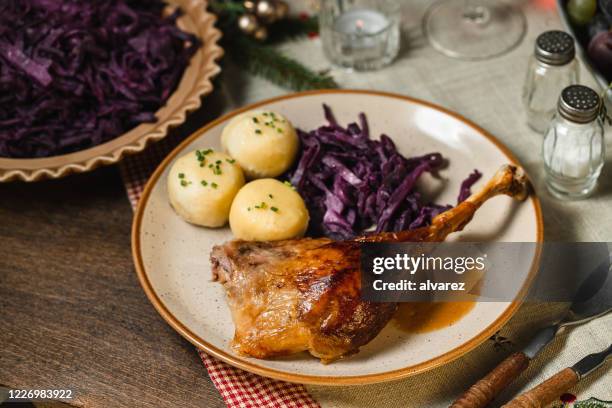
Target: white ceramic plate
[(171, 256)]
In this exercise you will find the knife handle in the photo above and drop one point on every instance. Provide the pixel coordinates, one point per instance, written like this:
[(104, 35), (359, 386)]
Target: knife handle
[(482, 393), (546, 392)]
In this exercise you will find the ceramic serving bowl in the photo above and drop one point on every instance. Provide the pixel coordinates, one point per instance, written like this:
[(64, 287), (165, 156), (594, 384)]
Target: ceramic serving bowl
[(195, 83)]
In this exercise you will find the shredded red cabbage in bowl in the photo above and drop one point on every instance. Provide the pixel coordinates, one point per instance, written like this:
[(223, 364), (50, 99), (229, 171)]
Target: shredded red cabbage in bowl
[(351, 182), (74, 74)]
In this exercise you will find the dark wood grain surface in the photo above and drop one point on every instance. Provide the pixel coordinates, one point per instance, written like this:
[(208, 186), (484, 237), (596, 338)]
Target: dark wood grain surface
[(72, 312)]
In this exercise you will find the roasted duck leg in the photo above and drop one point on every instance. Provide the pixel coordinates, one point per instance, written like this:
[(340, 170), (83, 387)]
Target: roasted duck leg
[(304, 294)]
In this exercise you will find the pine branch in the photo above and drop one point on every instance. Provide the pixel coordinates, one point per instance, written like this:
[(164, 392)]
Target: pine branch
[(227, 12), (269, 63), (262, 58), (292, 28), (226, 7)]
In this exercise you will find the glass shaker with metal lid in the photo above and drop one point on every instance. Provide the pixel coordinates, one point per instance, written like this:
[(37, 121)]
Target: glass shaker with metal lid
[(552, 67), (573, 147)]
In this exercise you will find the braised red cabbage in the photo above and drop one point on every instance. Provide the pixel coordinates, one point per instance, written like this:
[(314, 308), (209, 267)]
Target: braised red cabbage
[(351, 182), (74, 74)]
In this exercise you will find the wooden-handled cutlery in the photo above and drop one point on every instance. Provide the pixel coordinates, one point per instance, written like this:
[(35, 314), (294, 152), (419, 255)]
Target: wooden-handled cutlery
[(556, 385), (593, 299)]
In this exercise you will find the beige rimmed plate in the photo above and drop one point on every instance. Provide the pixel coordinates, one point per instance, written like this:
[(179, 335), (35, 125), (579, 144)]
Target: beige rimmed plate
[(171, 256), (194, 84)]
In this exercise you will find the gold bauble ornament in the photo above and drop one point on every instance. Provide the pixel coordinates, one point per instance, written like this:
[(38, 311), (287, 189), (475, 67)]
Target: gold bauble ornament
[(261, 34), (249, 5), (266, 10), (248, 23), (282, 10)]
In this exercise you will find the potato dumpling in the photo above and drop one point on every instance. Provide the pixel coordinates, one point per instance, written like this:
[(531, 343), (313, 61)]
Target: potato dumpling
[(268, 210), (202, 185), (264, 143)]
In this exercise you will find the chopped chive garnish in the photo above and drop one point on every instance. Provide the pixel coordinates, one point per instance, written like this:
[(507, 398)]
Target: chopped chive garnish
[(210, 166), (279, 130), (270, 195), (288, 184), (266, 114), (204, 183), (255, 120), (258, 131), (274, 209), (181, 175), (248, 208), (230, 161), (263, 205), (214, 185), (218, 162), (184, 183), (201, 153)]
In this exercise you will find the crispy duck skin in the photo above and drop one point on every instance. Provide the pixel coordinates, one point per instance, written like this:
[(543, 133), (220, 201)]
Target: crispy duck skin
[(304, 294)]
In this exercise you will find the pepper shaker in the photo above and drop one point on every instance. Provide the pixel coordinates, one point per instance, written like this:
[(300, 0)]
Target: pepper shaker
[(573, 148), (552, 67)]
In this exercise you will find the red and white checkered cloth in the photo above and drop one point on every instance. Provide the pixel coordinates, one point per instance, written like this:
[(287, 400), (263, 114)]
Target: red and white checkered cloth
[(239, 389)]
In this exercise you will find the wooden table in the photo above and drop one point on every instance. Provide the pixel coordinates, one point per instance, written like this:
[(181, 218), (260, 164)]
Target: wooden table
[(72, 312)]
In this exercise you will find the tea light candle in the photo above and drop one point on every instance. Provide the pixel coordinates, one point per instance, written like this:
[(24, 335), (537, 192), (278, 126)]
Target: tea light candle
[(361, 22), (363, 36)]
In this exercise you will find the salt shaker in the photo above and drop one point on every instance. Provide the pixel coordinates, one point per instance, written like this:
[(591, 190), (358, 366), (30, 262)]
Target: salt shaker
[(552, 67), (573, 147)]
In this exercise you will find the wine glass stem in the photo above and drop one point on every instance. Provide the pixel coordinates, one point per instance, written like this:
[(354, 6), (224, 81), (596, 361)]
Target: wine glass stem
[(476, 12)]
